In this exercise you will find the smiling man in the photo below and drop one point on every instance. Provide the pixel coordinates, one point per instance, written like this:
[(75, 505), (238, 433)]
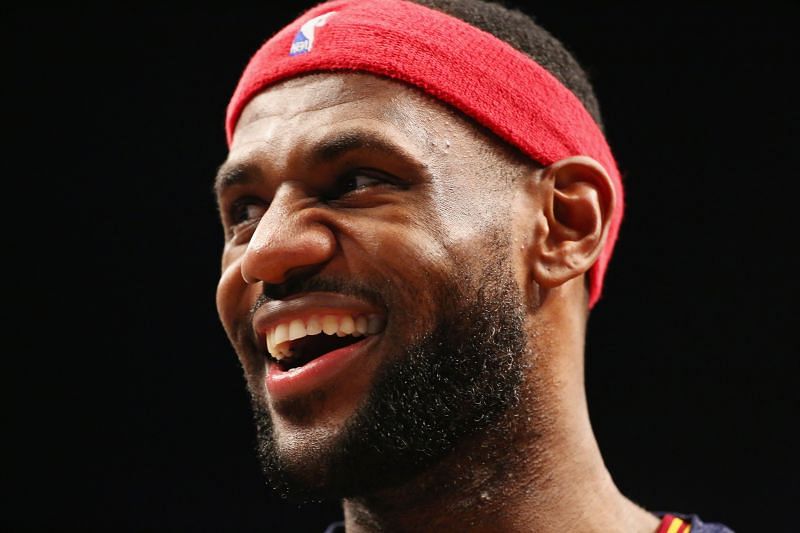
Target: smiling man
[(419, 207)]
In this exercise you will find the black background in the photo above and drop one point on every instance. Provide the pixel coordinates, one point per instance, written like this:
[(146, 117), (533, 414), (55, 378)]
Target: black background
[(125, 406)]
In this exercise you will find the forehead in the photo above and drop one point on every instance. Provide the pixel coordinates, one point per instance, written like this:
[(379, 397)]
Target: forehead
[(302, 110), (324, 92), (287, 119)]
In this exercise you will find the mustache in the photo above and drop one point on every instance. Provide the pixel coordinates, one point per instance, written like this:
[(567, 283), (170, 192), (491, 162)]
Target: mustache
[(317, 283)]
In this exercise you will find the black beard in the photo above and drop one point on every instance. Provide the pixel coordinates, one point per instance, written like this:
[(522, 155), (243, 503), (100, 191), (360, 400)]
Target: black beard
[(456, 381)]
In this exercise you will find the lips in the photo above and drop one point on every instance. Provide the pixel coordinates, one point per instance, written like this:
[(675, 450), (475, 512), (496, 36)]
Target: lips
[(309, 339)]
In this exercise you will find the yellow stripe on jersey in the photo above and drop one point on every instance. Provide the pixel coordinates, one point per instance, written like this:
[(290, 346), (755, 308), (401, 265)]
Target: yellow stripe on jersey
[(675, 525)]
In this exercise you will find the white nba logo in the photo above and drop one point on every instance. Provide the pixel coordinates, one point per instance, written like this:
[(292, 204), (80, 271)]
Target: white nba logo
[(304, 40)]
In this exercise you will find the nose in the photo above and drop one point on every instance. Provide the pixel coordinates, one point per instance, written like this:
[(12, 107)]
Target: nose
[(289, 236)]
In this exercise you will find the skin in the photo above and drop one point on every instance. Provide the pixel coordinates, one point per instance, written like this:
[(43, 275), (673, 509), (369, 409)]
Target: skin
[(425, 210)]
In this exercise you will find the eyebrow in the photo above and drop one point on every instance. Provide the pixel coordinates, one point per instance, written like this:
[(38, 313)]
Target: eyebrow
[(325, 151), (230, 175)]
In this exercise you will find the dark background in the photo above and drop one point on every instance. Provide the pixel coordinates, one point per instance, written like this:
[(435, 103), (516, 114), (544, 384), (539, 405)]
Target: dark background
[(125, 406)]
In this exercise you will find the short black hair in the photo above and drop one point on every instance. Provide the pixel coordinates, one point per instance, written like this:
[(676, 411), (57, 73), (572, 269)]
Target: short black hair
[(523, 33)]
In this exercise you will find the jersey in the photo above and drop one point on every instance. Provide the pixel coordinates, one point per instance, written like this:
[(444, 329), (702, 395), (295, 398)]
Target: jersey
[(681, 523)]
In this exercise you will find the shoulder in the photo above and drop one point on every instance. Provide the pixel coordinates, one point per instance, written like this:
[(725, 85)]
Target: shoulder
[(698, 526)]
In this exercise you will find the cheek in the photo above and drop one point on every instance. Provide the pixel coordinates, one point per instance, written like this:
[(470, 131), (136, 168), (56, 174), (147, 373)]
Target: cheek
[(230, 299), (234, 299), (394, 237), (405, 260), (467, 207)]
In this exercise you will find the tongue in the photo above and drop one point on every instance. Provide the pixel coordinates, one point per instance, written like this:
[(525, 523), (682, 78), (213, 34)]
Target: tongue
[(312, 346)]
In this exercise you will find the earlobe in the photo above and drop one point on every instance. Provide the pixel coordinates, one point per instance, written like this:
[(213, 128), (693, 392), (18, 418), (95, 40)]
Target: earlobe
[(578, 198)]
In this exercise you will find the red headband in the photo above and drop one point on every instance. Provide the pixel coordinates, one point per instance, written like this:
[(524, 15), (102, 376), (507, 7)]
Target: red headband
[(473, 71)]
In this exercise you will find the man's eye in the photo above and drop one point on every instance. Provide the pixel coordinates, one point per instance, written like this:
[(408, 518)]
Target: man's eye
[(246, 210), (355, 181)]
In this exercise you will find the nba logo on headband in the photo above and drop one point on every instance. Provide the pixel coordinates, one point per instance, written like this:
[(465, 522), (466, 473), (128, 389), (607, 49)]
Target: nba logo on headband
[(304, 40)]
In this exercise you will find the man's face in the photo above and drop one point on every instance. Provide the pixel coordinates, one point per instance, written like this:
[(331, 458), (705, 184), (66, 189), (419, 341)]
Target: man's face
[(370, 282)]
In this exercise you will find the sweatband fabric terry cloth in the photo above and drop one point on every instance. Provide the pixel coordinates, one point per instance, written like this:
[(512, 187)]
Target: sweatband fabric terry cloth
[(455, 62)]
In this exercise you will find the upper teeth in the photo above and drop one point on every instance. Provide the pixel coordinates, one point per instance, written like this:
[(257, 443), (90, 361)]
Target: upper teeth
[(280, 336)]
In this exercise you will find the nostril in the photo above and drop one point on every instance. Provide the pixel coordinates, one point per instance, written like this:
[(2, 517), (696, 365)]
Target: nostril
[(275, 291), (297, 280)]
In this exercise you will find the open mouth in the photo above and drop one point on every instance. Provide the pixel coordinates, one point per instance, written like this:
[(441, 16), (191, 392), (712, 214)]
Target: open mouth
[(294, 343)]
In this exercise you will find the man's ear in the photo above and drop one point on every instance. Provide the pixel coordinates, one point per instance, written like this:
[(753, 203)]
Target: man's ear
[(578, 198)]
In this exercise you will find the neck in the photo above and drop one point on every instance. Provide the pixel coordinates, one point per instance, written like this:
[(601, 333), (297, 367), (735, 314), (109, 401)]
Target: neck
[(539, 469)]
